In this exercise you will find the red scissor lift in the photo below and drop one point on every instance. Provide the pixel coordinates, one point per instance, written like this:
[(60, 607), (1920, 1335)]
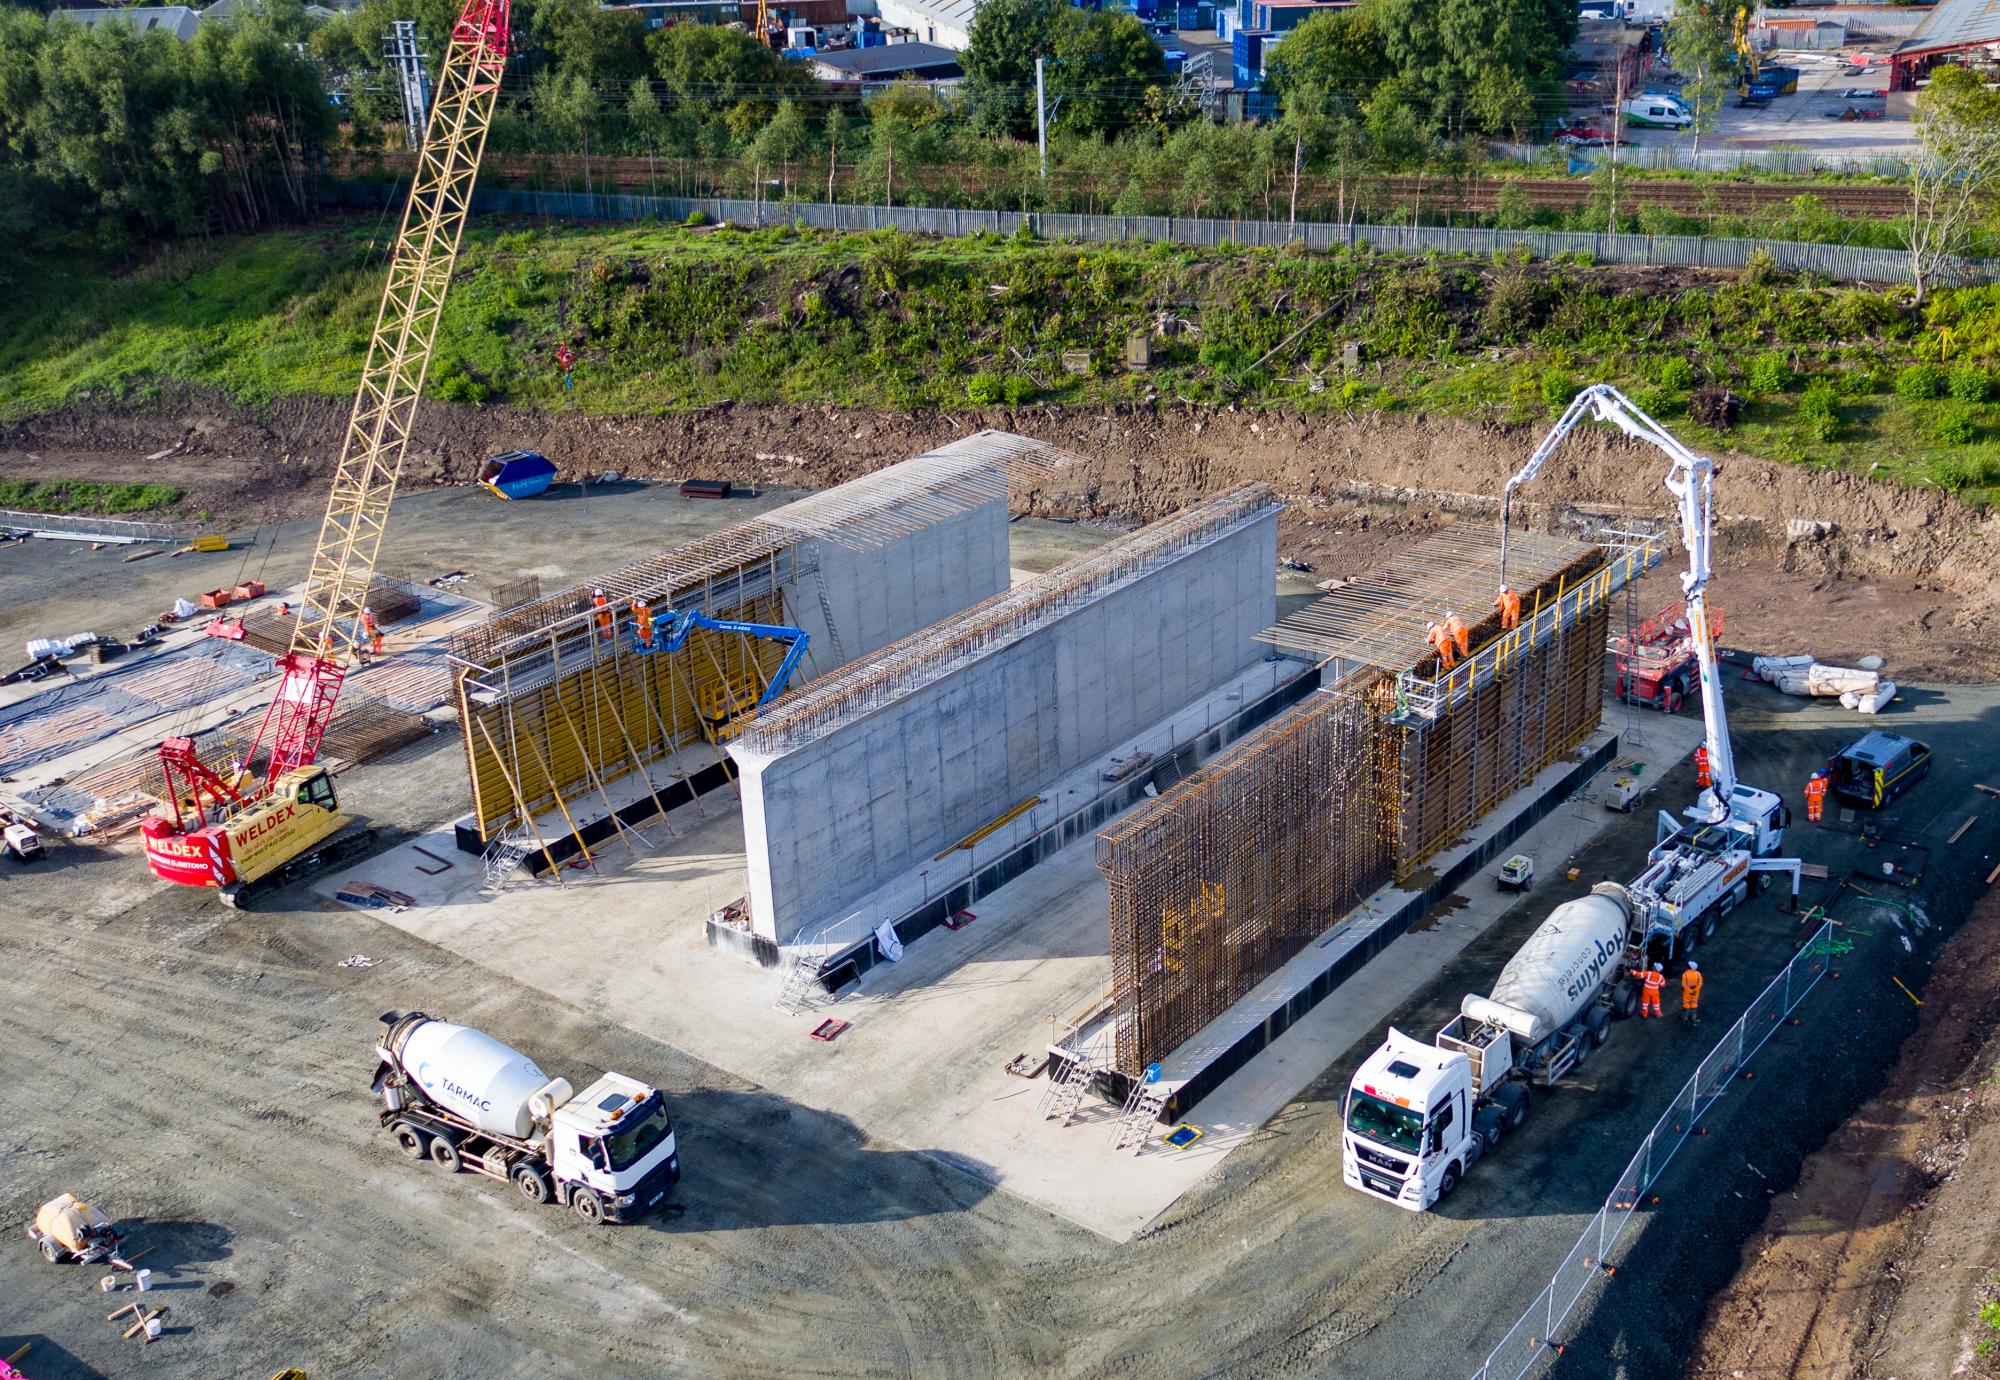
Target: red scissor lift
[(1656, 660)]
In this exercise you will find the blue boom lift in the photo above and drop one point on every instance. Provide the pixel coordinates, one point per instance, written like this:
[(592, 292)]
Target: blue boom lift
[(673, 627)]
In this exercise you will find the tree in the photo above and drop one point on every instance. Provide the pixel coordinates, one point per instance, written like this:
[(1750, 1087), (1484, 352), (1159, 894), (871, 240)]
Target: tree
[(709, 68), (1700, 47), (1501, 102), (1104, 64), (781, 142), (1953, 177), (999, 60), (1339, 55), (1439, 49)]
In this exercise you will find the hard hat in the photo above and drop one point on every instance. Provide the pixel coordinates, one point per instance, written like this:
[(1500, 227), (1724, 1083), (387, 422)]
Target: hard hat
[(1659, 967), (1693, 967), (597, 594), (1503, 589)]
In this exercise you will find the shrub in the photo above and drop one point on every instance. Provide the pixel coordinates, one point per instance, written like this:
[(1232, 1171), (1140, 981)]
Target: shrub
[(1676, 373), (1558, 389), (695, 219), (1019, 389), (1920, 381), (1770, 373), (1760, 269), (984, 390), (1955, 428), (1350, 394), (1969, 384), (1819, 410)]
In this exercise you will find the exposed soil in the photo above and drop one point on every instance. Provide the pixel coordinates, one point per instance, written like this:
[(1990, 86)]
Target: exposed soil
[(1875, 1266), (1900, 572)]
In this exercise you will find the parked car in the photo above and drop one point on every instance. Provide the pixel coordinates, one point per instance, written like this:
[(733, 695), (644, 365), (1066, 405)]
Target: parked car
[(1582, 136), (1862, 93)]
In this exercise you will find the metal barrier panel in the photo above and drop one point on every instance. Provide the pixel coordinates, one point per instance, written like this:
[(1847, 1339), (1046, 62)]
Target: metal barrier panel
[(1524, 1345), (1583, 1265), (1528, 1341), (1843, 262)]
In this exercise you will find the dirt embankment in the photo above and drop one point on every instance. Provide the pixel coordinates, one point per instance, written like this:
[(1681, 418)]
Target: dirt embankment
[(1876, 1266), (1878, 568)]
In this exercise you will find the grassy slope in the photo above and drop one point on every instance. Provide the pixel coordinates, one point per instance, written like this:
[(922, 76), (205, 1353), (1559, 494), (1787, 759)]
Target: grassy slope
[(664, 317)]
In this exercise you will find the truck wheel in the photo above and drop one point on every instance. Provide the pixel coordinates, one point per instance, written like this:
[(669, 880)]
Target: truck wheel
[(1625, 1005), (587, 1205), (52, 1252), (1600, 1028), (533, 1183), (412, 1141), (1707, 930), (1448, 1182), (445, 1155), (1518, 1112)]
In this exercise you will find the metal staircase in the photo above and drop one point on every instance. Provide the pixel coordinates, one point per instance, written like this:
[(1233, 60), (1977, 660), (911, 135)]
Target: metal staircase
[(832, 633), (504, 852), (1136, 1123), (1064, 1096), (798, 992)]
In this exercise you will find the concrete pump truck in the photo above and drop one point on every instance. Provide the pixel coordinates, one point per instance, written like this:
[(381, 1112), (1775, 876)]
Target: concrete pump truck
[(1420, 1114)]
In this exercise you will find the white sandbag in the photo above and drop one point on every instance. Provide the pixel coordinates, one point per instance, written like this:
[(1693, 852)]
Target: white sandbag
[(184, 609), (1850, 699), (1838, 680), (1772, 667), (1871, 704)]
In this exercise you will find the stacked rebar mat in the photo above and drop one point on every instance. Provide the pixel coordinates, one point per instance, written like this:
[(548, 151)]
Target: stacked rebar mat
[(1218, 882), (557, 703)]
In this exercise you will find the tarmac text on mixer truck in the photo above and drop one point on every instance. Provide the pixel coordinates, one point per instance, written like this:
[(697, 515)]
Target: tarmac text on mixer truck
[(463, 1100)]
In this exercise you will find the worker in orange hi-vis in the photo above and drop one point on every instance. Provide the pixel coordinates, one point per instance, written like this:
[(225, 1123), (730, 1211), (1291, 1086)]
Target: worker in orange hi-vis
[(1440, 641), (1691, 993), (603, 607), (1701, 776), (1509, 604), (1816, 796), (642, 618), (372, 631), (1460, 634), (1652, 981)]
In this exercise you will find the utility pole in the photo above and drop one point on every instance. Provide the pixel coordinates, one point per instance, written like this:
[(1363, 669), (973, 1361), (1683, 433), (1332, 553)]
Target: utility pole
[(1617, 130), (401, 42), (1041, 119)]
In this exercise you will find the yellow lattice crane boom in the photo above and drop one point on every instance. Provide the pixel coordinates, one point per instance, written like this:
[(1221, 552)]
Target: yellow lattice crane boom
[(217, 835)]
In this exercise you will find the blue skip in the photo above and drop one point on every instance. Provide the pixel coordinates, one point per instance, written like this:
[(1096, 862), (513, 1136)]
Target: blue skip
[(518, 474)]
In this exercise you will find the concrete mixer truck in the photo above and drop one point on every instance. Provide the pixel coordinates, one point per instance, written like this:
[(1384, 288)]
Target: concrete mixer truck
[(463, 1100), (1419, 1115)]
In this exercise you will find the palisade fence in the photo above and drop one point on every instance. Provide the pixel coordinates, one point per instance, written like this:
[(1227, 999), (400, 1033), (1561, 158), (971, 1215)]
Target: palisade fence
[(1844, 263), (1533, 1337)]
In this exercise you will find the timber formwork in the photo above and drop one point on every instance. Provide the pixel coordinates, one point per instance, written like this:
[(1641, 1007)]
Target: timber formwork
[(1218, 882), (554, 712)]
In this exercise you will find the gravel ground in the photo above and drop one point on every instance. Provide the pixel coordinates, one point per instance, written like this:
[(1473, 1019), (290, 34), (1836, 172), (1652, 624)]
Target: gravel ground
[(203, 1074)]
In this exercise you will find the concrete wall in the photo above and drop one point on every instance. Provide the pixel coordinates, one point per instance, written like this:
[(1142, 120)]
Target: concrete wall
[(829, 822), (888, 592)]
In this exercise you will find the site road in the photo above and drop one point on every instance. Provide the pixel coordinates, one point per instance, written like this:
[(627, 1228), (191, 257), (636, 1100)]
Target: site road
[(207, 1072)]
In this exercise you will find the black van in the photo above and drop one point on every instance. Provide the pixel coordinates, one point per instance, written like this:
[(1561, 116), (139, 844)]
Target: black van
[(1877, 767)]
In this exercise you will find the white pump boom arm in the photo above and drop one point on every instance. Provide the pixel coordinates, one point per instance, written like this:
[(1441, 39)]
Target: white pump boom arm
[(1691, 481)]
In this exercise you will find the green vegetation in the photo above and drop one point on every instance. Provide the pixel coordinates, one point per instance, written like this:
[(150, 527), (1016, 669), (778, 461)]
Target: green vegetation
[(666, 317), (77, 496)]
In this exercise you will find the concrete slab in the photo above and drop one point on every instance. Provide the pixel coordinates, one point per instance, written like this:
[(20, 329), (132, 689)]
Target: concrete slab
[(923, 1064)]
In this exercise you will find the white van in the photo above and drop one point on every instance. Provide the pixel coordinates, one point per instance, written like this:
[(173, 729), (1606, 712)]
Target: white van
[(1657, 112)]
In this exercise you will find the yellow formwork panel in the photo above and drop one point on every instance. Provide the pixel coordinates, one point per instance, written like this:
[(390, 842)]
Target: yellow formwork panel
[(611, 711)]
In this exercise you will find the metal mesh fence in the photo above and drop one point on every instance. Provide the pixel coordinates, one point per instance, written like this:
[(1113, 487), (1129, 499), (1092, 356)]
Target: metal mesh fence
[(1845, 263), (1537, 1332)]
